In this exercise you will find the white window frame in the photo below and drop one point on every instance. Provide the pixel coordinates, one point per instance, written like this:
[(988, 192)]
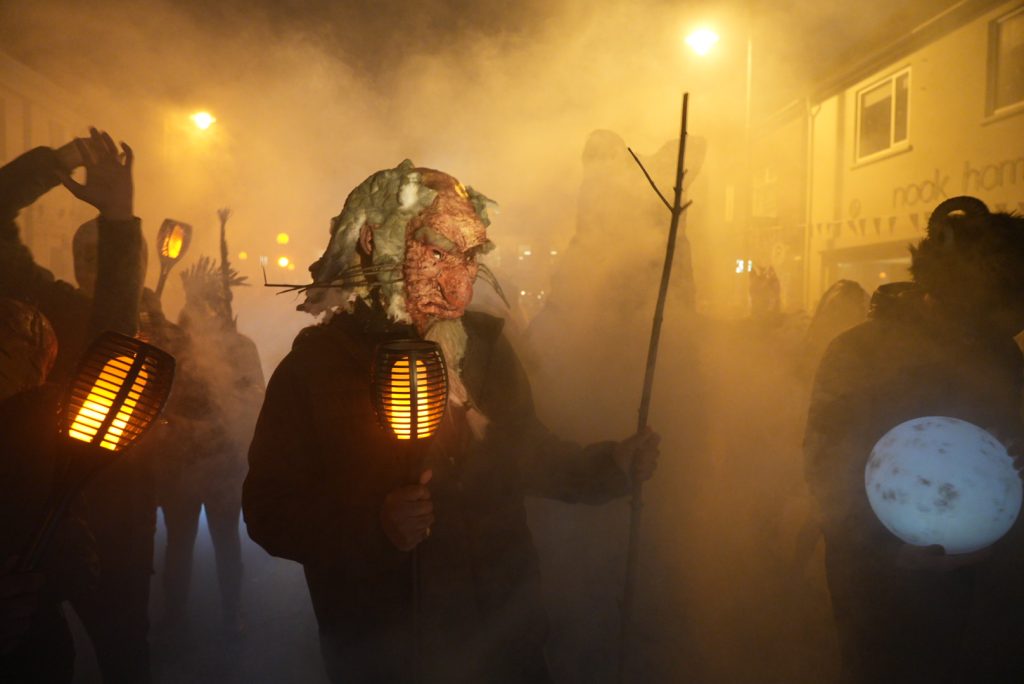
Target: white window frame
[(894, 147), (991, 111)]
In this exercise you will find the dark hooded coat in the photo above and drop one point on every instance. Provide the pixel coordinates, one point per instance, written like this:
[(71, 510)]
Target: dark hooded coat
[(894, 623), (320, 467)]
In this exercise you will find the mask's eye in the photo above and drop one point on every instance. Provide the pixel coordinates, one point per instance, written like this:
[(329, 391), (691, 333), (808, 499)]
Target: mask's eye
[(437, 254)]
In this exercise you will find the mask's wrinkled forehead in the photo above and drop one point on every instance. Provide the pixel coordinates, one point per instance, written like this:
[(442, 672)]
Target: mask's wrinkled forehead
[(451, 220), (394, 204)]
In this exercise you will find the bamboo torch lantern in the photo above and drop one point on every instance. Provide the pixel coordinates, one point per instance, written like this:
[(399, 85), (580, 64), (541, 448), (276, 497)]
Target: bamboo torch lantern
[(117, 393), (410, 394), (173, 240), (410, 388)]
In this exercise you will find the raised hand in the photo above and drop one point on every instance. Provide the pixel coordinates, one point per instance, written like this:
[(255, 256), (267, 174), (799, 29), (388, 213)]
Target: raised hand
[(108, 176)]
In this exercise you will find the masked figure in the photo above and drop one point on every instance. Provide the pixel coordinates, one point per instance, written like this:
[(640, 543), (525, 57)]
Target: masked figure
[(202, 458), (326, 486)]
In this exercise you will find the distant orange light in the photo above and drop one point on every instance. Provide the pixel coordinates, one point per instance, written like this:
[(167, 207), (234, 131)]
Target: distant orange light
[(282, 238), (242, 256)]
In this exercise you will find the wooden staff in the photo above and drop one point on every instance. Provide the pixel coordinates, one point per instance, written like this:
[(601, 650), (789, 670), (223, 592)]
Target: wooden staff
[(636, 504)]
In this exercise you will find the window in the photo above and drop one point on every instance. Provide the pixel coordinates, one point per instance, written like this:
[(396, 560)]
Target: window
[(1006, 62), (883, 115)]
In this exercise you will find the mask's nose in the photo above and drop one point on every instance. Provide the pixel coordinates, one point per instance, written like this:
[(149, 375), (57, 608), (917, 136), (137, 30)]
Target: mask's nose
[(457, 286)]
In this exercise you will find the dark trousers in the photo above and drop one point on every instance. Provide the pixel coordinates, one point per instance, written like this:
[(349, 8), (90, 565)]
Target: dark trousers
[(896, 625), (181, 515), (119, 508)]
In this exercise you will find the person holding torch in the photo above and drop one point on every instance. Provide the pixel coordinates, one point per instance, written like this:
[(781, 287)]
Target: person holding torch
[(328, 487)]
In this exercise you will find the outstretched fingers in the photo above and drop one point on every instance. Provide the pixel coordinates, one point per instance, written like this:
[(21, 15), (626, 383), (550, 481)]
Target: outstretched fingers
[(129, 155)]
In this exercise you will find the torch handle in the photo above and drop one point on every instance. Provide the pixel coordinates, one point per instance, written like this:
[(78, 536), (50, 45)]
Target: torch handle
[(162, 280), (44, 535)]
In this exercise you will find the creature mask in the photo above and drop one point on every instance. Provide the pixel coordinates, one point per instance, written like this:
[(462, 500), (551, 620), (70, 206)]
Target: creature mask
[(412, 235)]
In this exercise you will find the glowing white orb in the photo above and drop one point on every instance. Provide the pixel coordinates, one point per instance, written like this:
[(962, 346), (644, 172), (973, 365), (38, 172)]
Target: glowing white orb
[(943, 481)]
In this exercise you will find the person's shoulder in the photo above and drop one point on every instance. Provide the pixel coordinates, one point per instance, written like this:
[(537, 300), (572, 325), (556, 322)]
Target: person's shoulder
[(483, 325), (318, 350)]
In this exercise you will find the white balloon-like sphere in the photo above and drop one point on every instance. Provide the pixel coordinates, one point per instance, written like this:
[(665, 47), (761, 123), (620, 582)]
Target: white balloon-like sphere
[(945, 481)]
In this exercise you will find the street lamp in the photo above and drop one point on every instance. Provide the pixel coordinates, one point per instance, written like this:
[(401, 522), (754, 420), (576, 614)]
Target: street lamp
[(702, 41), (203, 120)]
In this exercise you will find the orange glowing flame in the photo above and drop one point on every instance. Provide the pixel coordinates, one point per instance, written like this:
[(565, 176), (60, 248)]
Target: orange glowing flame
[(173, 243), (399, 415), (101, 400)]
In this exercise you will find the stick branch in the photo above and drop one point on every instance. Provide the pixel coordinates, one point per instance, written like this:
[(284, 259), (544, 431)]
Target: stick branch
[(650, 180)]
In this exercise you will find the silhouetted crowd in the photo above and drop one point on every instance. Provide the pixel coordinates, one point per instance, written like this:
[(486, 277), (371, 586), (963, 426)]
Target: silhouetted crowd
[(101, 558), (421, 565)]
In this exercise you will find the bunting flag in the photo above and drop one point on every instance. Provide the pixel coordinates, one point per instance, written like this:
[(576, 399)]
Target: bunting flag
[(892, 225), (878, 225), (852, 226), (862, 226), (915, 220)]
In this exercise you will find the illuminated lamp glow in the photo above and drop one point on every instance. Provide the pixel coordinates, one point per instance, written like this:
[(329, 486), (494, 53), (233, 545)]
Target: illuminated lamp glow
[(410, 388), (203, 120), (938, 480), (283, 262), (242, 256), (100, 401), (282, 238), (171, 247), (702, 41)]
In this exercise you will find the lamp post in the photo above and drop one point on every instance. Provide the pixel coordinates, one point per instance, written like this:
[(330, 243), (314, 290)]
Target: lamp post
[(119, 390), (410, 395), (703, 42), (173, 240)]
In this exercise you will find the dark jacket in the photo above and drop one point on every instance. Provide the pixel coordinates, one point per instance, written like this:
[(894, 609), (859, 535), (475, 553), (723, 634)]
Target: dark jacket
[(29, 466), (897, 623), (903, 363), (320, 467)]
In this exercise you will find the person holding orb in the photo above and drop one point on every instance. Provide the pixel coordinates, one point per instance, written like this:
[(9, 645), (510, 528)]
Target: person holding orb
[(942, 345)]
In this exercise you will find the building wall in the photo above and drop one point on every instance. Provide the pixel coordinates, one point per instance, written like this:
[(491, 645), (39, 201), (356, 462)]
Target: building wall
[(34, 112), (862, 215)]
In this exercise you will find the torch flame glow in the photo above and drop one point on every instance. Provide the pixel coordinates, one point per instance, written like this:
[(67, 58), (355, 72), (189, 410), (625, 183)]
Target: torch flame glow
[(100, 401), (399, 415), (172, 245)]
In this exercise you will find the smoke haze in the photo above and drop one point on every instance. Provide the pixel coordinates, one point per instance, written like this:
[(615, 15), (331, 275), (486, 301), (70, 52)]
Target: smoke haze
[(311, 98)]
